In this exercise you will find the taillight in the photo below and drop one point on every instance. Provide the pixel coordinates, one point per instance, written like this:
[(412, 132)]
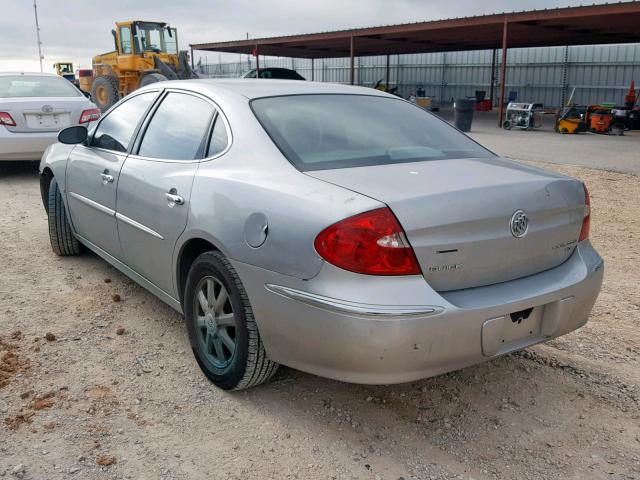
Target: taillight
[(6, 119), (371, 243), (586, 221), (89, 115)]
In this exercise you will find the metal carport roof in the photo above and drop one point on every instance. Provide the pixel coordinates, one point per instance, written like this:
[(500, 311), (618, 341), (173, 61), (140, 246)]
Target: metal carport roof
[(583, 25)]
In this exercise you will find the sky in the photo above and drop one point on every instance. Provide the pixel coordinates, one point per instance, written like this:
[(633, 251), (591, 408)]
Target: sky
[(76, 30)]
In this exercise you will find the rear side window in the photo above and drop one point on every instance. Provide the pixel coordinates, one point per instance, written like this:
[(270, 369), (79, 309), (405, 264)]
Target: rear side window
[(17, 86), (219, 138), (178, 129), (319, 132), (287, 74), (116, 129)]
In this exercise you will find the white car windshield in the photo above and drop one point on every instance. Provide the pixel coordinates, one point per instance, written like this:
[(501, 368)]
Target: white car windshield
[(19, 86)]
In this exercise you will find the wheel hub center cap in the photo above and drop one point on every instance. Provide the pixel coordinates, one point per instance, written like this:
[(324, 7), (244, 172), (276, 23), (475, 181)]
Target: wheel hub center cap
[(211, 322)]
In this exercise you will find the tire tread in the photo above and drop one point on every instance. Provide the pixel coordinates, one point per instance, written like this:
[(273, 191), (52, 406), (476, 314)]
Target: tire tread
[(63, 242)]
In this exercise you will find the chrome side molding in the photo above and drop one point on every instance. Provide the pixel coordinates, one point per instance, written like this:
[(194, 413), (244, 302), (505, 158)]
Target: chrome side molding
[(93, 204), (139, 226)]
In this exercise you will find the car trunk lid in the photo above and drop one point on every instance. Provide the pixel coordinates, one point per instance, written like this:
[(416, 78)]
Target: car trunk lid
[(457, 215), (43, 114)]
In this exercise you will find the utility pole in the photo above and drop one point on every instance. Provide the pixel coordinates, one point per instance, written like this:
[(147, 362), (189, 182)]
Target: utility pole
[(35, 11), (248, 56)]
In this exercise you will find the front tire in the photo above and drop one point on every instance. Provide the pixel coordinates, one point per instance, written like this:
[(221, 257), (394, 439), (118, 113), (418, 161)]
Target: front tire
[(222, 330), (62, 239), (104, 92)]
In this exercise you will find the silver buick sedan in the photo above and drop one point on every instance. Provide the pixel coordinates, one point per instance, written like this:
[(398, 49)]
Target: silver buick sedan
[(337, 230)]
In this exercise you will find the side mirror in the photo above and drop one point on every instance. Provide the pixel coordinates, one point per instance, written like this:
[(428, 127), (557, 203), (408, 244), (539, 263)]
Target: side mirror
[(73, 135)]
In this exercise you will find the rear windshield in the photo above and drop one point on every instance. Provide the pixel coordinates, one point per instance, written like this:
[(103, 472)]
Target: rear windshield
[(320, 132), (35, 86)]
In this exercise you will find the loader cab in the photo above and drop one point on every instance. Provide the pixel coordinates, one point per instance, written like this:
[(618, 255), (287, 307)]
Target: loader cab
[(138, 43), (139, 37), (65, 69)]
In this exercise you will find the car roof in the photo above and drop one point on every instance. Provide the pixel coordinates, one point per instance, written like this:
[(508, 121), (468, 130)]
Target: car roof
[(256, 88), (281, 69), (30, 74)]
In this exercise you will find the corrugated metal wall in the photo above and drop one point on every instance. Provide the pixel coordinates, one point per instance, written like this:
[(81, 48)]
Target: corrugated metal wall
[(600, 73)]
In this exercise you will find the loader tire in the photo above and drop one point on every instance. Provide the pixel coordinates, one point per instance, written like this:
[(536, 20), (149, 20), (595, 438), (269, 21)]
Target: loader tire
[(150, 78), (104, 92)]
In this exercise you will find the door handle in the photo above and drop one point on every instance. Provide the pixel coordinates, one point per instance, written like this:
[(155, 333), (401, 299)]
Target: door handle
[(106, 178), (173, 198)]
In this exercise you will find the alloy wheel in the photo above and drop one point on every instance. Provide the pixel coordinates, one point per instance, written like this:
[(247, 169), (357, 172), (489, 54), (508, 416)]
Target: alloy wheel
[(215, 322)]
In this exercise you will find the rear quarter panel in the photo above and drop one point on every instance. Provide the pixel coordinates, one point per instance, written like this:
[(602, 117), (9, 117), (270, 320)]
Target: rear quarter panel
[(254, 177)]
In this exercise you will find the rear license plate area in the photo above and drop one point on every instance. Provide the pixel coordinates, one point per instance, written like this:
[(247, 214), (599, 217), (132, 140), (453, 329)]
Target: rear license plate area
[(522, 324), (512, 331), (520, 316), (52, 120)]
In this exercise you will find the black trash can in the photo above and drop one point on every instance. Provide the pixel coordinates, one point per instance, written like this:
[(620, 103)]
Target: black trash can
[(463, 110)]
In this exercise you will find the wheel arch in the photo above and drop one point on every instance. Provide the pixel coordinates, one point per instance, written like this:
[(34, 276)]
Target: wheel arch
[(187, 253), (45, 182)]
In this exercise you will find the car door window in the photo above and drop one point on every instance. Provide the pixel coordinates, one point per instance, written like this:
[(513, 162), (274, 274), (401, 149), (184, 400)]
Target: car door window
[(178, 128), (219, 138), (116, 129)]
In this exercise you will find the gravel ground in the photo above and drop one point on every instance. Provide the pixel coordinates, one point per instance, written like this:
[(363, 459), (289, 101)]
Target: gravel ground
[(97, 382)]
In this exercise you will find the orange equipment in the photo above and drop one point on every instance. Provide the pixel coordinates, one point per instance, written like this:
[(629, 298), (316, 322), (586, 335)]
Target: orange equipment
[(601, 121), (630, 99)]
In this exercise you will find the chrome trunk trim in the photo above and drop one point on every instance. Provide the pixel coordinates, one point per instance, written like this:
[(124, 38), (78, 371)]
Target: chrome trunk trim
[(355, 309)]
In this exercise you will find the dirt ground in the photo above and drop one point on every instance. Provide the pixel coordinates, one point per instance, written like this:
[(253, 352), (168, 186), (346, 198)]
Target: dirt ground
[(97, 382)]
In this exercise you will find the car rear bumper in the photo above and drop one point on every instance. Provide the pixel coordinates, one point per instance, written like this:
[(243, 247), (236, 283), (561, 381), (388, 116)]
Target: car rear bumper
[(397, 329), (24, 146)]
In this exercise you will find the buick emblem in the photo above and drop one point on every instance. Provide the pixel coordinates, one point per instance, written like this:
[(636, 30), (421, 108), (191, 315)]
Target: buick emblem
[(47, 108), (519, 224)]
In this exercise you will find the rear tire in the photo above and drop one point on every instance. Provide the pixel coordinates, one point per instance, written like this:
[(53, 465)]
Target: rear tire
[(150, 78), (217, 321), (62, 240), (104, 92)]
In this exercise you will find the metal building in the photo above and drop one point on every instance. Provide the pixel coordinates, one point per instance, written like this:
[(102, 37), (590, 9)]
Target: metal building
[(599, 73)]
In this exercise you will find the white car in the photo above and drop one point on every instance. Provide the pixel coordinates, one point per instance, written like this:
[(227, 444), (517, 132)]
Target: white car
[(34, 107)]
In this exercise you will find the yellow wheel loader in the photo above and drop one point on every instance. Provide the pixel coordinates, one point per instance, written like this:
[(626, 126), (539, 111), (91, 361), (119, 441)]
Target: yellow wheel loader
[(65, 69), (145, 52)]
